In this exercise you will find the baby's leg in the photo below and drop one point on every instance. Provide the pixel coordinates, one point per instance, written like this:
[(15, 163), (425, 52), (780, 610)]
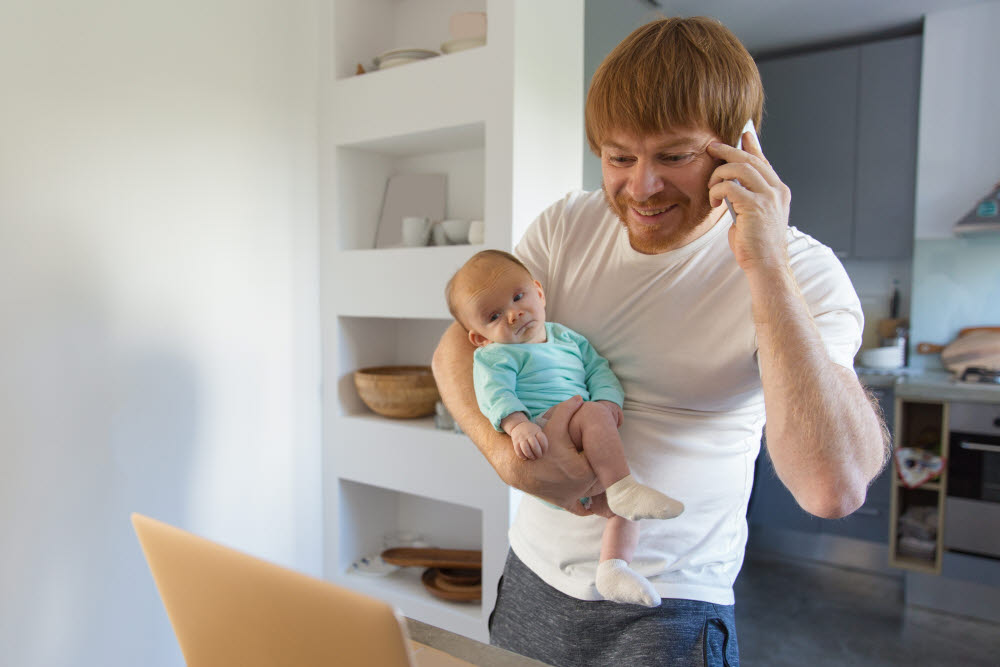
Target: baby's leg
[(594, 427), (616, 581)]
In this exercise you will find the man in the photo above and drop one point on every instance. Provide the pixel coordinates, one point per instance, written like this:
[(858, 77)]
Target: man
[(711, 325)]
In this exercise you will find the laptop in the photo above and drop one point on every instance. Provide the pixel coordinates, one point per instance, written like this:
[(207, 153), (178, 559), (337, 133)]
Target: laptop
[(229, 608)]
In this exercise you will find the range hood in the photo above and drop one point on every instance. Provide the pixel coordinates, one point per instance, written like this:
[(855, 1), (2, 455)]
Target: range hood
[(984, 217)]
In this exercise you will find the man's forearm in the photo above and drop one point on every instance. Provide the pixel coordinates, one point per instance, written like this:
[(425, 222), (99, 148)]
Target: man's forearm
[(823, 436), (561, 476), (452, 365)]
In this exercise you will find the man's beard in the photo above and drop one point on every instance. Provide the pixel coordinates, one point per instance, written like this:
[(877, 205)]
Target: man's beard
[(662, 239)]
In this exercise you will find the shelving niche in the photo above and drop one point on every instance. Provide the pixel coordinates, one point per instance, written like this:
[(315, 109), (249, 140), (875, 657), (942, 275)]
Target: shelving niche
[(503, 122), (919, 425), (457, 152), (365, 28), (368, 513)]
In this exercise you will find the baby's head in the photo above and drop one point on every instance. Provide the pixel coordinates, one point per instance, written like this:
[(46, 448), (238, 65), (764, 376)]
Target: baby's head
[(497, 301)]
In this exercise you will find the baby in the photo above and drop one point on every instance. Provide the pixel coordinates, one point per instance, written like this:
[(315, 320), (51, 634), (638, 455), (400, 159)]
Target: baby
[(522, 368)]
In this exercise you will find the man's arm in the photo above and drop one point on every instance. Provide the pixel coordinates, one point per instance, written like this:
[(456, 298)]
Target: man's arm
[(824, 437), (561, 477)]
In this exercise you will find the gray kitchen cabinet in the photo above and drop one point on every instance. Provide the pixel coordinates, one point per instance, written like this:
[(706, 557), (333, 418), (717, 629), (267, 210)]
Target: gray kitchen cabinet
[(840, 129), (887, 149), (871, 520), (772, 504), (774, 507), (809, 135)]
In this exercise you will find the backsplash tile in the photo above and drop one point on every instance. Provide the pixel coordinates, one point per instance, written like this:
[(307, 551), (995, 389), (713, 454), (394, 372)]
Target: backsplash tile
[(956, 284)]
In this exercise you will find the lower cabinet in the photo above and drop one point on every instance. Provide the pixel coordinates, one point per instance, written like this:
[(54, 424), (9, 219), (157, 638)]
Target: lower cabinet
[(773, 506)]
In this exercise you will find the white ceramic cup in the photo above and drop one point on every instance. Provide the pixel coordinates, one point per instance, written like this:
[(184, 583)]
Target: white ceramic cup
[(416, 231), (477, 232), (457, 231), (438, 237)]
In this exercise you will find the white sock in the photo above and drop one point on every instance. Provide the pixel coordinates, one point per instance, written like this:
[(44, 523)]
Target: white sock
[(632, 500), (617, 582)]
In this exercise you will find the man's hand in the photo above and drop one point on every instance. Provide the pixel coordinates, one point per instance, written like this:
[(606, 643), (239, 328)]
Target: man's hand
[(564, 475), (616, 411), (810, 399), (529, 440), (761, 202)]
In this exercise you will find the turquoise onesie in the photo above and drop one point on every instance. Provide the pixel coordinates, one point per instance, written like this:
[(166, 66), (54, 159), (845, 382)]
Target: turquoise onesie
[(533, 377)]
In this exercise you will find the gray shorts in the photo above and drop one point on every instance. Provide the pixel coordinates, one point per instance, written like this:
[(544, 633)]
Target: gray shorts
[(536, 620)]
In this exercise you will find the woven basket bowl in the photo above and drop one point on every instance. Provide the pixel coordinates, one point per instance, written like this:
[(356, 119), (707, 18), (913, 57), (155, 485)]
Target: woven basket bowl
[(402, 392)]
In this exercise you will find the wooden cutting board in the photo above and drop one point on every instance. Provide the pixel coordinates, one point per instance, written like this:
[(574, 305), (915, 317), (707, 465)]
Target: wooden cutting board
[(429, 557), (436, 587), (932, 348), (975, 350), (974, 347)]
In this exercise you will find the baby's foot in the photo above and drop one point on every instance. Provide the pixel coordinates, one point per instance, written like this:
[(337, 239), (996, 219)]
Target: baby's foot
[(632, 500), (617, 582)]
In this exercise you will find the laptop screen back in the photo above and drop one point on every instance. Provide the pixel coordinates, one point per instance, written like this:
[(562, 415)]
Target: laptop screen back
[(228, 608)]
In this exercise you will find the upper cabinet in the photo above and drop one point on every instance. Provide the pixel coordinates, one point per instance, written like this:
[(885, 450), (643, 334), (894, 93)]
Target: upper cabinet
[(840, 129)]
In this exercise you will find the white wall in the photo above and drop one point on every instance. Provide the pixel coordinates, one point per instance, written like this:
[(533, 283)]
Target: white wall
[(956, 281), (158, 306), (958, 160)]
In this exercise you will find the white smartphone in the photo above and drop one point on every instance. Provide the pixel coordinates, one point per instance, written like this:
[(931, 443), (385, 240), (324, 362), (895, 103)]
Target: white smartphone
[(739, 144)]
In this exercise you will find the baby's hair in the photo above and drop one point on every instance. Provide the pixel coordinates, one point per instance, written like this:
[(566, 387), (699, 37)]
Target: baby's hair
[(449, 289)]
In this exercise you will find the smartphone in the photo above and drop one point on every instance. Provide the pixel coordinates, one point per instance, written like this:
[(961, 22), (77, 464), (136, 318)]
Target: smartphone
[(739, 144)]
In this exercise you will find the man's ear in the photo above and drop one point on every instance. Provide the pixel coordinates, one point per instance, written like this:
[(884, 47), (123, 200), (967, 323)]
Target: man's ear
[(478, 339), (541, 292)]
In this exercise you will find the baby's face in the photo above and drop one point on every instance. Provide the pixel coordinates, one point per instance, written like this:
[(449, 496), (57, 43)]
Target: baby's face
[(500, 303)]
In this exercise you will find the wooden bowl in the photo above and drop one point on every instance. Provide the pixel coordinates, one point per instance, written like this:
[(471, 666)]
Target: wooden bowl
[(401, 392), (453, 593)]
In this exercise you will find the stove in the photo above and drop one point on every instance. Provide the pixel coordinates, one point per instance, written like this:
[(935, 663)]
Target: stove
[(981, 375)]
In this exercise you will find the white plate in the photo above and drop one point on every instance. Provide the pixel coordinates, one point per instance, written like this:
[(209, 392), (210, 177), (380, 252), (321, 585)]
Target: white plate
[(396, 62), (373, 566), (413, 54), (462, 44)]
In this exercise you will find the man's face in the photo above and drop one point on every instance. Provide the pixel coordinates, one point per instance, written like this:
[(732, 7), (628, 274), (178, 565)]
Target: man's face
[(657, 185)]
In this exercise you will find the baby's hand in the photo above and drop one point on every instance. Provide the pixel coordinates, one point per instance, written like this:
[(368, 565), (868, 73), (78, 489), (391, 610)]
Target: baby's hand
[(529, 441), (616, 411)]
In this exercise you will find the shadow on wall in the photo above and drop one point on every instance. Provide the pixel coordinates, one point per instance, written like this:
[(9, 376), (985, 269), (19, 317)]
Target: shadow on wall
[(91, 428)]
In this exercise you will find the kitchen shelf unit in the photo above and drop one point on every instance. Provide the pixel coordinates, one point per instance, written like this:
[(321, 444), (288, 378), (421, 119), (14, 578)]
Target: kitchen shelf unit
[(503, 122), (922, 425)]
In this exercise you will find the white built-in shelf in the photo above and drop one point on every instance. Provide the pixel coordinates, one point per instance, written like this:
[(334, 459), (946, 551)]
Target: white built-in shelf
[(369, 512), (502, 123), (451, 91), (396, 282), (414, 457), (440, 139), (404, 589), (363, 29)]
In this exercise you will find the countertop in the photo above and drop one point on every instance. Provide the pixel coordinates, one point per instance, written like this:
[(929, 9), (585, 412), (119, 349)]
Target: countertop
[(467, 649), (930, 386)]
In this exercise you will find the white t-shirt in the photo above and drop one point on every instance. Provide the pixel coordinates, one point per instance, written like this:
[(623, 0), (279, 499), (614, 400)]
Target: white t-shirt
[(677, 330)]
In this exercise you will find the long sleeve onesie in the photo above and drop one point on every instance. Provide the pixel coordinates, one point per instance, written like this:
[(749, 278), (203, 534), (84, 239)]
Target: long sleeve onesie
[(533, 377)]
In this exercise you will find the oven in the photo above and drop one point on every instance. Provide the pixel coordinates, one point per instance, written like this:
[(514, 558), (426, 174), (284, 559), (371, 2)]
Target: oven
[(972, 505)]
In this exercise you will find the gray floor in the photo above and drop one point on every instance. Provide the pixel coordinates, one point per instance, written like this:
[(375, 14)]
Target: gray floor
[(791, 612)]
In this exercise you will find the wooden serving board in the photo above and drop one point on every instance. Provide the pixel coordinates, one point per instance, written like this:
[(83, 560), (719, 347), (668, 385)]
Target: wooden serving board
[(429, 557), (437, 588), (980, 349), (932, 348)]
